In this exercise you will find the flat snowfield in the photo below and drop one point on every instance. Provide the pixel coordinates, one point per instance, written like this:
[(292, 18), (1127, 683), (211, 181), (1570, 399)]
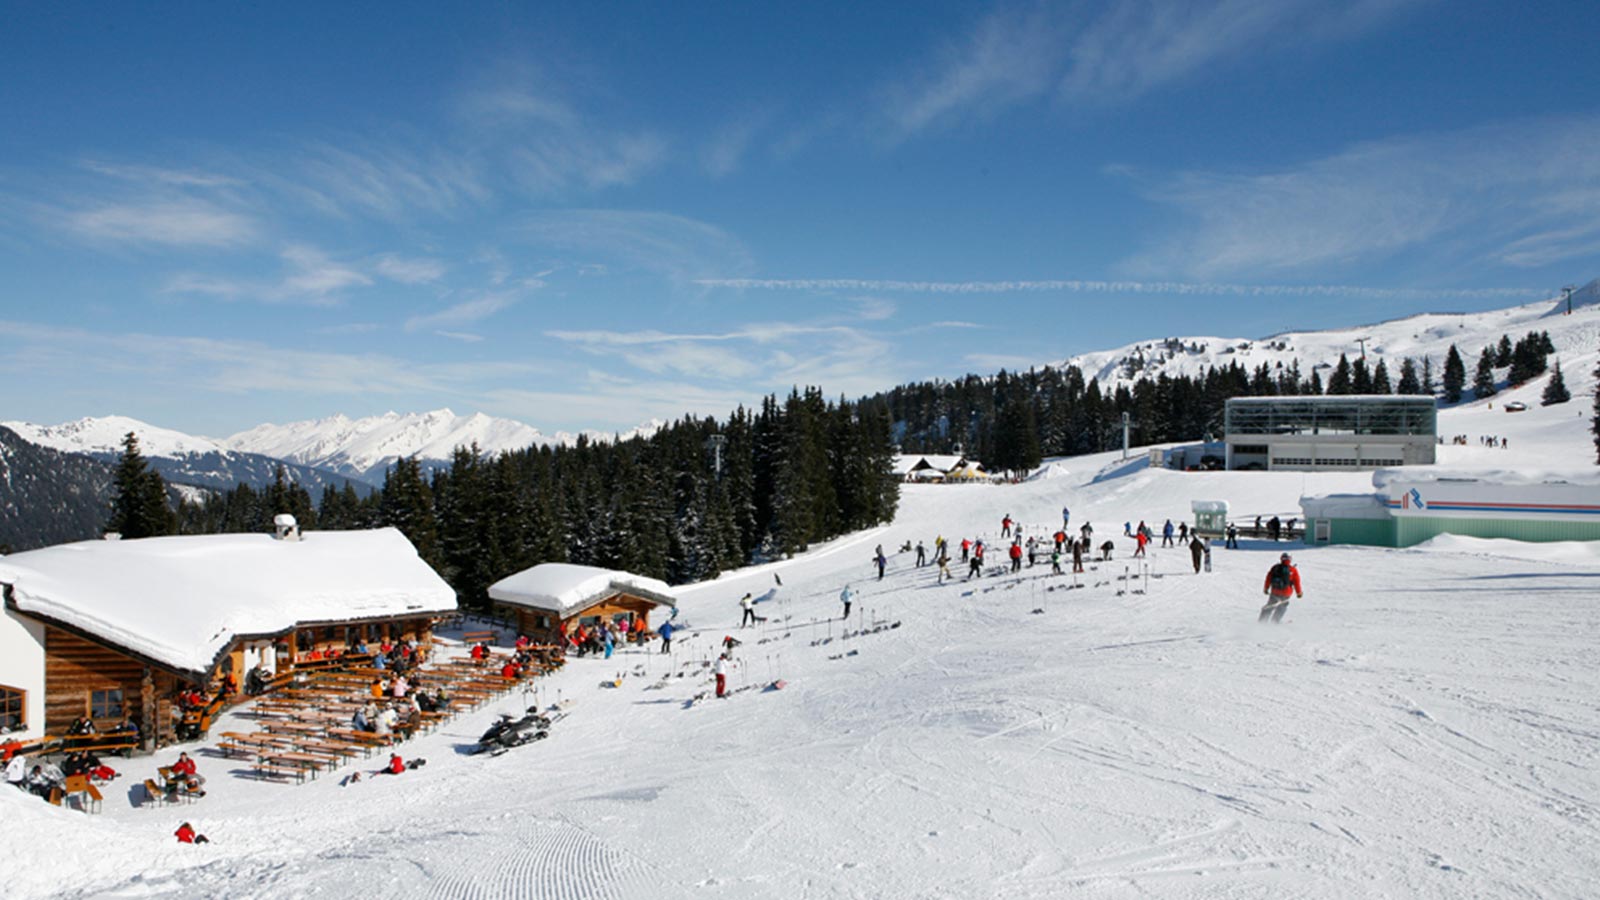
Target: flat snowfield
[(1424, 724)]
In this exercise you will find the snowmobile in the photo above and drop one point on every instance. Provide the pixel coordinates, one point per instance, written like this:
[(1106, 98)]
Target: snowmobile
[(511, 732)]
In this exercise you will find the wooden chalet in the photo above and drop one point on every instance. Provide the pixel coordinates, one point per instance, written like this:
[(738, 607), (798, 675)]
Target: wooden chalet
[(554, 597), (113, 630)]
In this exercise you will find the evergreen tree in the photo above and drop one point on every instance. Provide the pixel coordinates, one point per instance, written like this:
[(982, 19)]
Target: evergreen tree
[(139, 499), (1455, 376), (1502, 353), (1409, 384), (1594, 426), (1483, 384), (1360, 377), (1428, 387), (1342, 381), (1555, 390), (1380, 379), (407, 504)]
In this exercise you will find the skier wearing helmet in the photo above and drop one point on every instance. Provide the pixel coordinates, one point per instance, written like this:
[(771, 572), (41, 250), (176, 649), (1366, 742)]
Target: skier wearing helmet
[(1283, 580)]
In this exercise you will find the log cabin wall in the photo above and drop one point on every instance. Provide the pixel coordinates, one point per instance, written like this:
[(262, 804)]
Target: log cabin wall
[(75, 668)]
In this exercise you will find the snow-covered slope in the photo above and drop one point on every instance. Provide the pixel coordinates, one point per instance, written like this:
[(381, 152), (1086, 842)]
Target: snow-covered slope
[(180, 458), (1423, 725), (1429, 334), (365, 447)]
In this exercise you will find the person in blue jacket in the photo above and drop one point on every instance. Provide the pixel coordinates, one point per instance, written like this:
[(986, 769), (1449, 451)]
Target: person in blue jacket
[(666, 631)]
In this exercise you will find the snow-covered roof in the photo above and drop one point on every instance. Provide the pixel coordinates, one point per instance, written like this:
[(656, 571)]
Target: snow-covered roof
[(1344, 506), (1382, 478), (907, 462), (1209, 506), (181, 600), (565, 589)]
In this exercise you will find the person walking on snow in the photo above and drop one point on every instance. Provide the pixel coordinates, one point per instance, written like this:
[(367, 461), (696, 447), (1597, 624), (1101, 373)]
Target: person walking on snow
[(1016, 557), (1066, 516), (881, 561), (666, 631), (1283, 581), (922, 555), (1077, 555), (1166, 534), (966, 545), (944, 568), (1141, 540), (1197, 551), (1127, 529), (749, 606), (844, 597), (721, 672), (1005, 526), (1055, 562)]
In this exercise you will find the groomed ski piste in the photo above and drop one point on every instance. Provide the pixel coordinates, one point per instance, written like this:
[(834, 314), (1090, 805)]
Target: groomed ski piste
[(1424, 724)]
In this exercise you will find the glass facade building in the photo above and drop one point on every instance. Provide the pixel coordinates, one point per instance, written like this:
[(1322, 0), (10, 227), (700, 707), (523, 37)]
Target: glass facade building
[(1330, 432)]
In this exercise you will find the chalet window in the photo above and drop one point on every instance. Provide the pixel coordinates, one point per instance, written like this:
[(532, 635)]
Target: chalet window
[(105, 704), (13, 709)]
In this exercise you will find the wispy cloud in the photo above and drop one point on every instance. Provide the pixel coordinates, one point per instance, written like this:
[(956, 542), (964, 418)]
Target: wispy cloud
[(167, 222), (759, 357), (525, 121), (1523, 193), (463, 313), (158, 175), (310, 276), (1106, 287), (462, 336), (679, 248), (1094, 53), (409, 271)]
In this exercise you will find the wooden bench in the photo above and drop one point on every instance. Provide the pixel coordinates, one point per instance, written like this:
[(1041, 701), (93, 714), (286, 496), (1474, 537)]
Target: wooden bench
[(264, 770), (88, 795), (153, 794), (478, 637), (233, 748)]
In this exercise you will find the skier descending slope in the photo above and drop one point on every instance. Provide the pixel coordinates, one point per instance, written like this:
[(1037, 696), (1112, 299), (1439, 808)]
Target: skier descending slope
[(1283, 580), (844, 597)]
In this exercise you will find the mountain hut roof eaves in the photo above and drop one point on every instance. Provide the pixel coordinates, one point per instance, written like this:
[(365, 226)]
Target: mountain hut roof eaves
[(181, 601), (566, 589)]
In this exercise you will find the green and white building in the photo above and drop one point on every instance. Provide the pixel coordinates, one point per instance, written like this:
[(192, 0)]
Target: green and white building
[(1409, 507)]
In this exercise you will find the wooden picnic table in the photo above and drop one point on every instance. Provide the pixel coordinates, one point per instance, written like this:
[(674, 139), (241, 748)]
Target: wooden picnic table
[(292, 728)]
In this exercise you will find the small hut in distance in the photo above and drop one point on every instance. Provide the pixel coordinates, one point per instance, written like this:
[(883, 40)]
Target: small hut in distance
[(551, 597)]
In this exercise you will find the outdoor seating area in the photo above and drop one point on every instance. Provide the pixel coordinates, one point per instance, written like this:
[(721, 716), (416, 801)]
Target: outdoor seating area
[(313, 727)]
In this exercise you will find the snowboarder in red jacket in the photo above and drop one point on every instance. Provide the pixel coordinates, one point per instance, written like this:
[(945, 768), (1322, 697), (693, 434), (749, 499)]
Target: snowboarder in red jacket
[(1283, 580)]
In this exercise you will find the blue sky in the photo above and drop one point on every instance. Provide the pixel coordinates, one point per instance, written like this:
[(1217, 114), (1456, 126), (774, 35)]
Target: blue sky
[(216, 215)]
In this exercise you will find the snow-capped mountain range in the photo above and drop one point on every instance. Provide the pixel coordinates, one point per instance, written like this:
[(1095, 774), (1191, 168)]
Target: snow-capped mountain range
[(363, 448), (181, 459)]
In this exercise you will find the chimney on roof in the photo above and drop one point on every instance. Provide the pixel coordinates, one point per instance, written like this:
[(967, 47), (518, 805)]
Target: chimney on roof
[(285, 528)]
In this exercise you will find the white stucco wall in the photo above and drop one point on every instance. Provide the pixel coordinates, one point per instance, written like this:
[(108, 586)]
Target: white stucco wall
[(22, 664)]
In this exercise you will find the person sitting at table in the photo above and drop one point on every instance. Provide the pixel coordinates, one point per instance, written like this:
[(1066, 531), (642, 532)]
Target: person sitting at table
[(385, 648), (255, 681), (385, 722), (424, 701), (82, 725), (40, 784), (522, 642), (185, 767), (359, 721), (413, 721), (510, 671), (381, 661), (378, 688), (399, 687), (477, 652)]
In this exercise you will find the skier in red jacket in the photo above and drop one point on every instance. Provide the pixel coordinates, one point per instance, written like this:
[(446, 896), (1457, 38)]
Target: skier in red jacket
[(1283, 581), (1016, 557)]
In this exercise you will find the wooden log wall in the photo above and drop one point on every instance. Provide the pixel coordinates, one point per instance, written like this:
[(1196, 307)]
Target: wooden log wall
[(76, 667)]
